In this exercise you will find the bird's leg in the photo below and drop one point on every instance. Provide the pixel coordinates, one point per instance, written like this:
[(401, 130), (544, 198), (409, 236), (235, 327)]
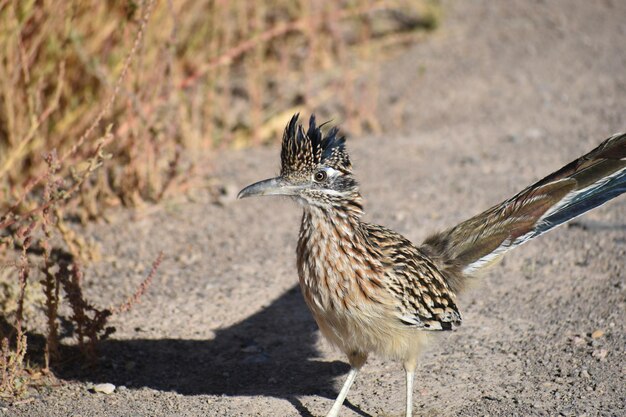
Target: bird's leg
[(409, 367), (356, 360), (410, 374), (334, 411)]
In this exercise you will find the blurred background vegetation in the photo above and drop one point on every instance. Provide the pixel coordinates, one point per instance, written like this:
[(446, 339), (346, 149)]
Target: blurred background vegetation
[(108, 103)]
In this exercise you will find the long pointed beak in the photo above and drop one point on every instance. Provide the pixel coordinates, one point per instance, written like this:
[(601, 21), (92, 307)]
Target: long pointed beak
[(272, 186)]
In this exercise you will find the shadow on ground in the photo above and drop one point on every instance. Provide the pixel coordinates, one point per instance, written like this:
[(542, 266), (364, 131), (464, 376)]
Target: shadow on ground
[(271, 353)]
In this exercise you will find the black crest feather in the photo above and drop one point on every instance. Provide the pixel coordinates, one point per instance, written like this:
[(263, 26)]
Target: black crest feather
[(306, 151)]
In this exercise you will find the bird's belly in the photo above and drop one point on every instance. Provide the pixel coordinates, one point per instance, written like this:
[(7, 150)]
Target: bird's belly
[(354, 323)]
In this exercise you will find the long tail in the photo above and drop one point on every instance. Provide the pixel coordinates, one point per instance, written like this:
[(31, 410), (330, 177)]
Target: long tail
[(578, 187)]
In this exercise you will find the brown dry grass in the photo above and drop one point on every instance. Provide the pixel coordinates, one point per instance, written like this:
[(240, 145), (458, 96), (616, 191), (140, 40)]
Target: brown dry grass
[(108, 103)]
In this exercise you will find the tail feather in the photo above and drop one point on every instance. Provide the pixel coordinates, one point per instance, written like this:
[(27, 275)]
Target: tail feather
[(583, 201), (578, 187)]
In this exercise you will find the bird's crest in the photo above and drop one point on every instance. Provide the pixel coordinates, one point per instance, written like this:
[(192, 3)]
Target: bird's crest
[(306, 151)]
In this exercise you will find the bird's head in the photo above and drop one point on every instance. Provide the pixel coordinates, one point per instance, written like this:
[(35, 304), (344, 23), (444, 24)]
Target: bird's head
[(315, 169)]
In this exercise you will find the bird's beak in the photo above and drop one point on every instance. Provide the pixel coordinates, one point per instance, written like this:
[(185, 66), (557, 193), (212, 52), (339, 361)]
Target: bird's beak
[(272, 186)]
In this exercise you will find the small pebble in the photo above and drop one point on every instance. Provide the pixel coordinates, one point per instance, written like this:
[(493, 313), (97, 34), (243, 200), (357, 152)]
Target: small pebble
[(600, 354), (534, 133), (227, 194), (578, 341), (597, 334), (105, 388)]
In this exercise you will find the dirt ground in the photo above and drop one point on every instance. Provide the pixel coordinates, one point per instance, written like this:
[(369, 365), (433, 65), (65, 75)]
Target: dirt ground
[(502, 94)]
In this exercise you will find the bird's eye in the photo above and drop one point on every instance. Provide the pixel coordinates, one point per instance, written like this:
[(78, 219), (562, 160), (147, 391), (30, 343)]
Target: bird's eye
[(320, 176)]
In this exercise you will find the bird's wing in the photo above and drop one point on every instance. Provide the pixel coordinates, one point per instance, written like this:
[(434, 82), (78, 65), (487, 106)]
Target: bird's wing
[(424, 298)]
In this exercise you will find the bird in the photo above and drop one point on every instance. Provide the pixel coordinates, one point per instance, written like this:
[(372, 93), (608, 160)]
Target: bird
[(371, 290)]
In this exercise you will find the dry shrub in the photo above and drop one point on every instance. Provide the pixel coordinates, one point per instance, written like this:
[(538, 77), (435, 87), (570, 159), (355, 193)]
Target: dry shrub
[(29, 226), (99, 108), (209, 74)]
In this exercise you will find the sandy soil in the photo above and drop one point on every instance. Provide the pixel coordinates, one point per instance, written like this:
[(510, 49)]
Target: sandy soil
[(503, 94)]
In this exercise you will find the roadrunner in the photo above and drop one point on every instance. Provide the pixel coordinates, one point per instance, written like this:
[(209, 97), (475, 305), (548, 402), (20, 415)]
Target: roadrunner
[(372, 290)]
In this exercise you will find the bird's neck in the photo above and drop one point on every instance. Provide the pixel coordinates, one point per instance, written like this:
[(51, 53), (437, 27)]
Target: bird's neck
[(331, 222), (348, 210)]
